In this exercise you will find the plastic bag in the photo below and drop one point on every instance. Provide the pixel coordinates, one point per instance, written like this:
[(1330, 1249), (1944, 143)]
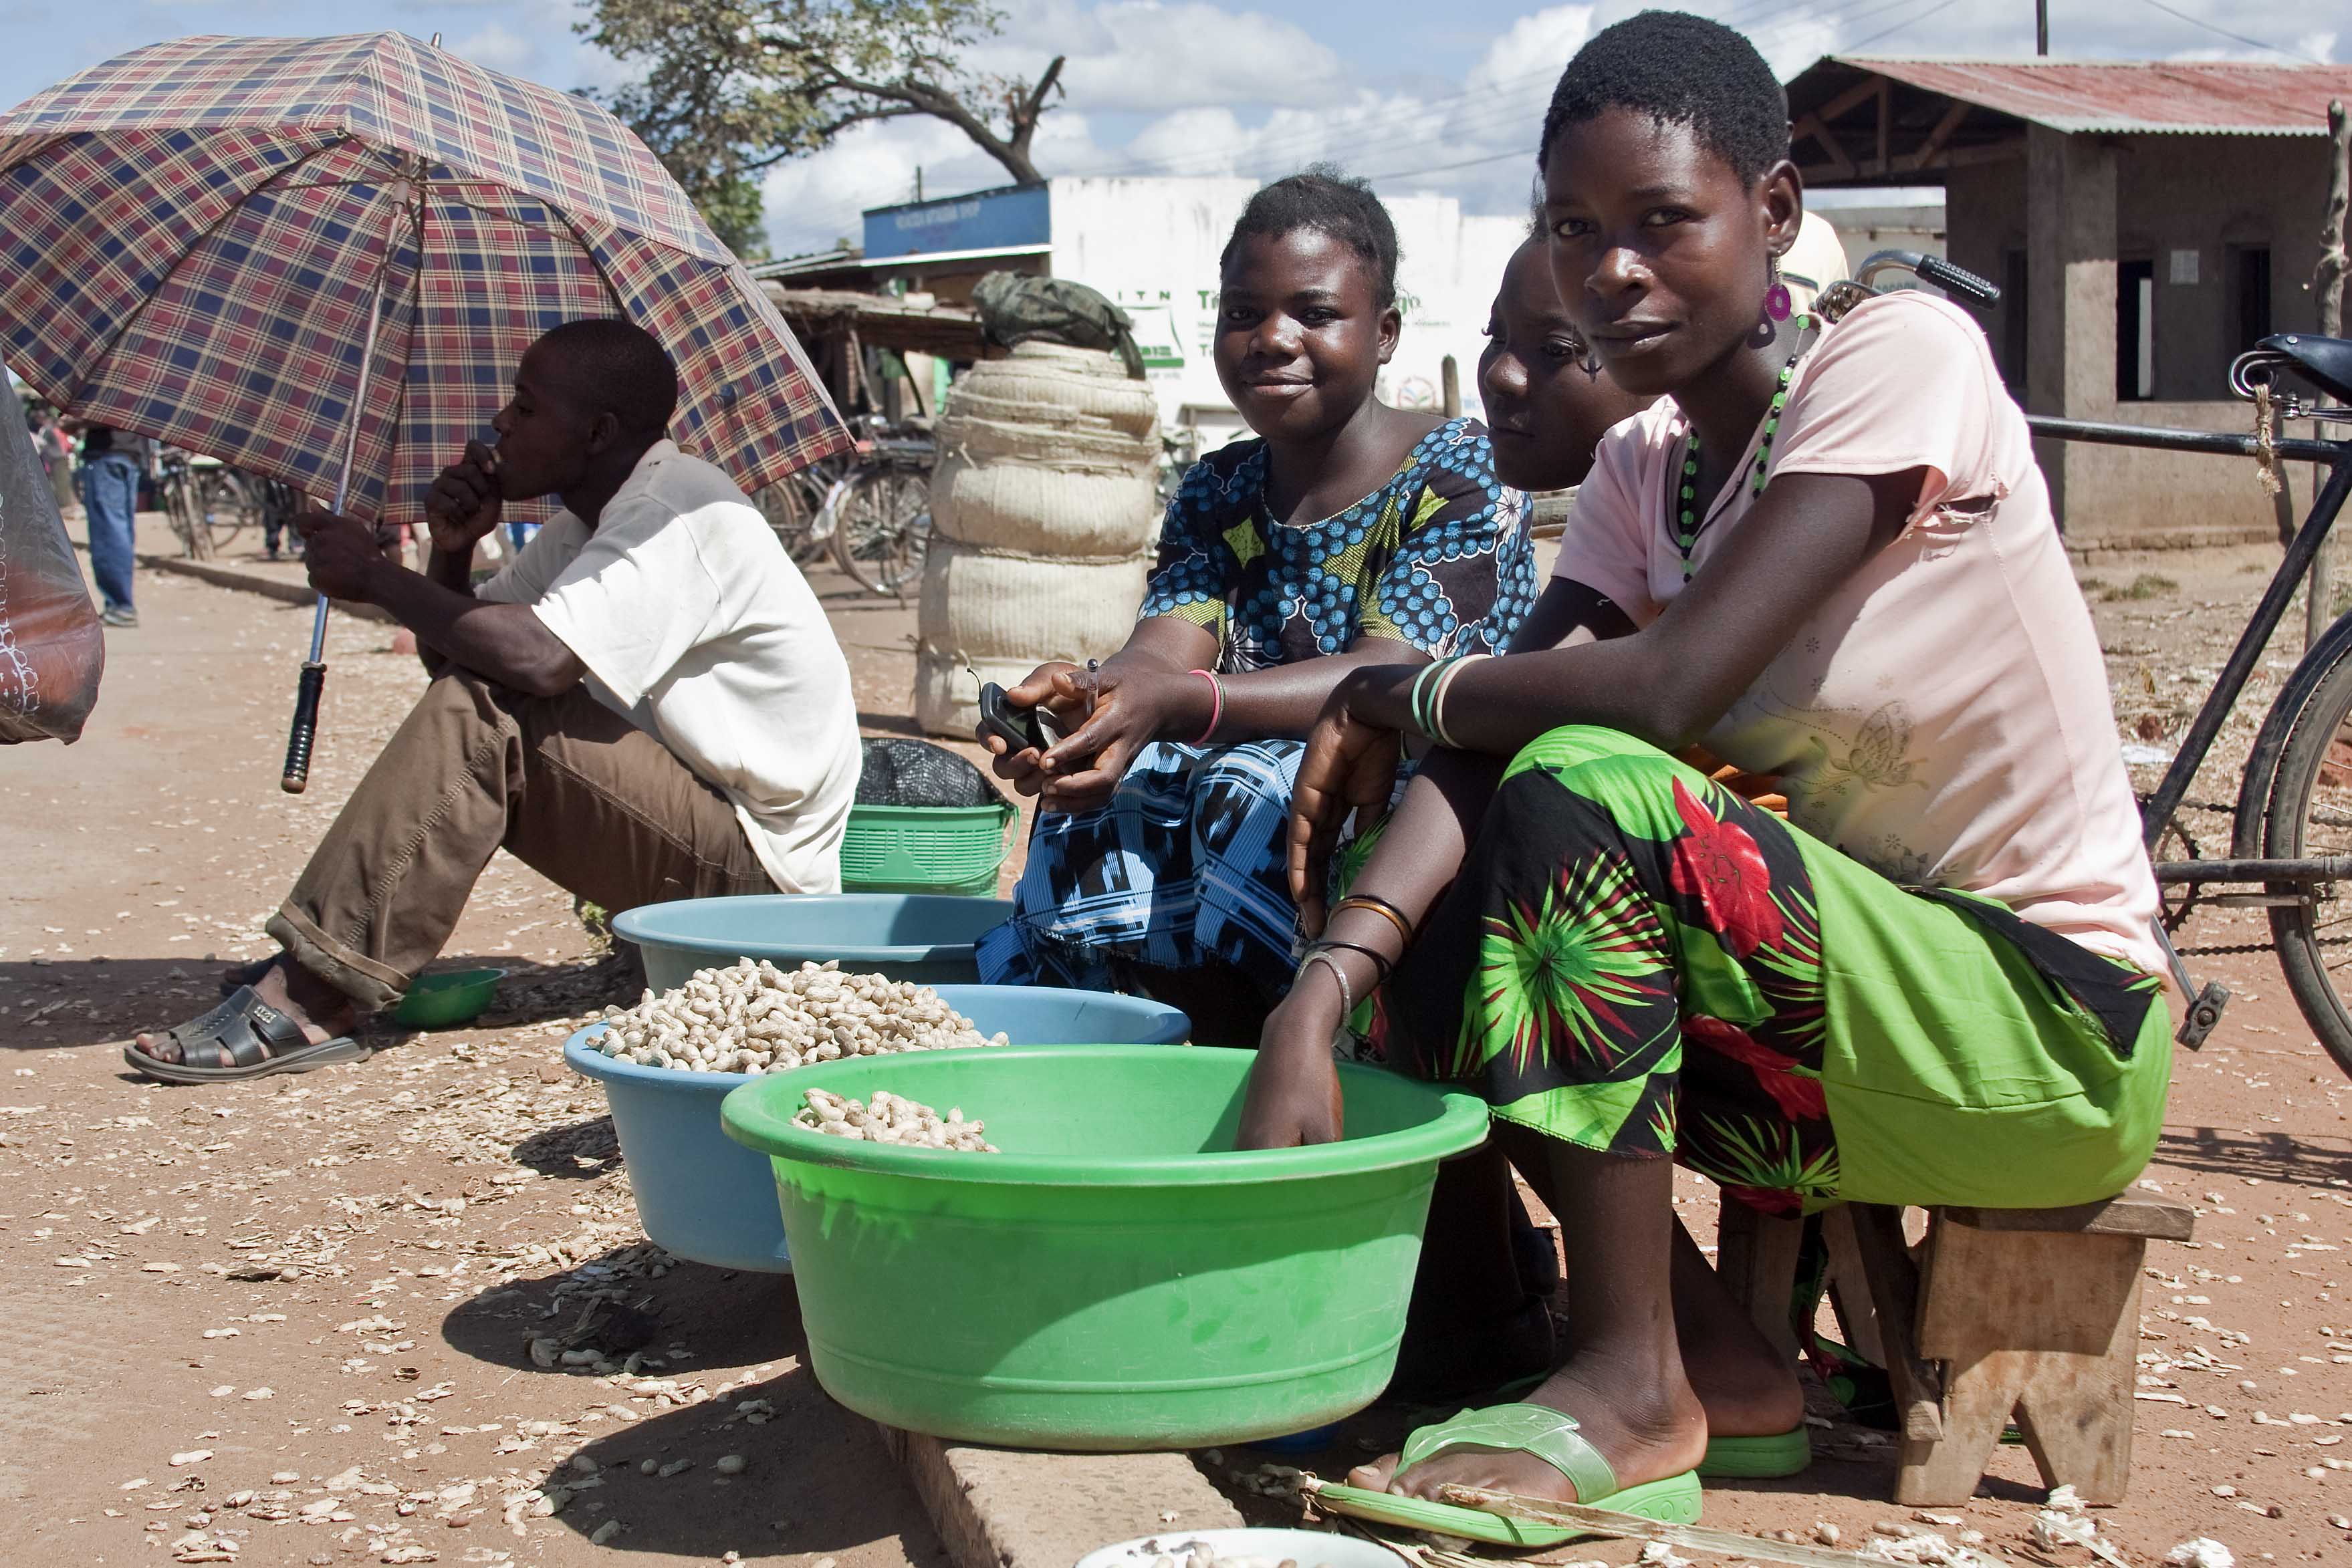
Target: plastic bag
[(52, 646), (916, 773), (1015, 308)]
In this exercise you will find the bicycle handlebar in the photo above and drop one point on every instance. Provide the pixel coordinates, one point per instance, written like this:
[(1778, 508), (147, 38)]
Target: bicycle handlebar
[(1927, 269)]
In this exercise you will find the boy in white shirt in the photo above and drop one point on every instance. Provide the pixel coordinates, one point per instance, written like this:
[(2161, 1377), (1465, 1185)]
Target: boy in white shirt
[(647, 704)]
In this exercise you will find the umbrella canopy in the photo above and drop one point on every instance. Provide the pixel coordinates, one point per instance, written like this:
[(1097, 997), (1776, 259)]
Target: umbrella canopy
[(193, 237)]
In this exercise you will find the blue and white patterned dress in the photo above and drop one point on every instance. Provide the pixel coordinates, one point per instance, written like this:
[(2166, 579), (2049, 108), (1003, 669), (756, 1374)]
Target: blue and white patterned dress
[(1186, 864)]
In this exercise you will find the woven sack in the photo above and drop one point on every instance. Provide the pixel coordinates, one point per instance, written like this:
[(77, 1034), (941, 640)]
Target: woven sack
[(947, 689), (1072, 389), (983, 605), (1029, 510)]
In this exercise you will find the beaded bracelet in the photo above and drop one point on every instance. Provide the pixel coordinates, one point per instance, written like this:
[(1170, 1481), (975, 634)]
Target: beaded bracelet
[(1216, 705), (1380, 906)]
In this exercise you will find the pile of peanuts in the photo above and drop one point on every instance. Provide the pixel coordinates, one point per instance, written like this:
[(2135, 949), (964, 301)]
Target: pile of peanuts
[(891, 1119), (755, 1018)]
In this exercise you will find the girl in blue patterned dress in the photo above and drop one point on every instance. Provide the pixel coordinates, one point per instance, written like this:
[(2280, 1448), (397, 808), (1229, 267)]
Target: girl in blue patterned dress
[(1348, 533)]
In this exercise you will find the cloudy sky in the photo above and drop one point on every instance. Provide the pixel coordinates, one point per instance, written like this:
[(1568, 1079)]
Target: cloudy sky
[(1420, 95)]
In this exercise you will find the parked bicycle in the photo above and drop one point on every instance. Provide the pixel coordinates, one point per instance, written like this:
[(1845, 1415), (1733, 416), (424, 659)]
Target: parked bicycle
[(870, 507), (2290, 841), (207, 501)]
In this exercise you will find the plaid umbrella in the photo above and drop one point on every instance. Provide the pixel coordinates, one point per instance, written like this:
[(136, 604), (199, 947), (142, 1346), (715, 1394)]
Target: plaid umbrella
[(318, 255)]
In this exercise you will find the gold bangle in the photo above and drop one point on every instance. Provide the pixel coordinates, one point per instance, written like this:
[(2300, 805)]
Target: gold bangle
[(1380, 906)]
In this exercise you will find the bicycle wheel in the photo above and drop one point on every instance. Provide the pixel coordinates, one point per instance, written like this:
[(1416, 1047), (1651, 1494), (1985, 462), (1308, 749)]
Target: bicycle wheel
[(187, 521), (2311, 814), (233, 505), (885, 531), (791, 515)]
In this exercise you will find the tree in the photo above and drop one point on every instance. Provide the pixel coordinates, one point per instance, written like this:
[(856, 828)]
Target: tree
[(734, 86)]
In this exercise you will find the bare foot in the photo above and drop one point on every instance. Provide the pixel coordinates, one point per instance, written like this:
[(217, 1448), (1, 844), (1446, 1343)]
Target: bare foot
[(1647, 1427), (320, 1011)]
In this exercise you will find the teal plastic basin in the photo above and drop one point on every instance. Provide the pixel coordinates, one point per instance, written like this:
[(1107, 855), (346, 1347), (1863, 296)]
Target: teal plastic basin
[(924, 937), (1118, 1278), (704, 1197)]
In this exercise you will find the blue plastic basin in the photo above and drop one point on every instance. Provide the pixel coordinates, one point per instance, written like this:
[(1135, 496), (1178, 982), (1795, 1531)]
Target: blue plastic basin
[(705, 1197), (924, 937)]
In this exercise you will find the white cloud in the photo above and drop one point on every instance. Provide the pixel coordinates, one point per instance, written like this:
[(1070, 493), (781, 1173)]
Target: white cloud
[(1147, 56), (1234, 92), (498, 48)]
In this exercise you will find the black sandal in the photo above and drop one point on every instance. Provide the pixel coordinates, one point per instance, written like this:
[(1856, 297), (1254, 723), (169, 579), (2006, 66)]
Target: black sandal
[(245, 975), (259, 1040)]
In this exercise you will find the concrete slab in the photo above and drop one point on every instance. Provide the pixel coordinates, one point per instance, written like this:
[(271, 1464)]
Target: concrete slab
[(255, 579), (1000, 1508)]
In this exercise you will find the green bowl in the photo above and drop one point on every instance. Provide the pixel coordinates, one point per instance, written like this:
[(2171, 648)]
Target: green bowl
[(448, 999), (1119, 1278)]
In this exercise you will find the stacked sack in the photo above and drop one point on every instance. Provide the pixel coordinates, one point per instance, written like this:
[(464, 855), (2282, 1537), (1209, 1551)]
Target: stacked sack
[(1044, 512)]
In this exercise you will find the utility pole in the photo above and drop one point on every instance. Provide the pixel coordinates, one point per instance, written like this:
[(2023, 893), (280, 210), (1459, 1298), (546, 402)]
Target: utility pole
[(2041, 26)]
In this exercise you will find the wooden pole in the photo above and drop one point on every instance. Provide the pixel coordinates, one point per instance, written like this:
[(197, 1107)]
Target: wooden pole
[(1450, 376), (2327, 282), (2041, 26)]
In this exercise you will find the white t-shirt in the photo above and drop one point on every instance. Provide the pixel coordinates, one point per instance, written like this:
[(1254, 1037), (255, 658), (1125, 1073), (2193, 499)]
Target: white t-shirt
[(1944, 717), (697, 627)]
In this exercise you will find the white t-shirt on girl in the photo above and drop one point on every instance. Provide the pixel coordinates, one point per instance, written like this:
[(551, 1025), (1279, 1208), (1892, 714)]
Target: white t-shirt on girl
[(697, 628), (1944, 717)]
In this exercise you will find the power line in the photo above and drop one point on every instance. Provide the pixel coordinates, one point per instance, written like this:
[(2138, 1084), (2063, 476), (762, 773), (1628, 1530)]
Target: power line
[(2234, 38), (1908, 21)]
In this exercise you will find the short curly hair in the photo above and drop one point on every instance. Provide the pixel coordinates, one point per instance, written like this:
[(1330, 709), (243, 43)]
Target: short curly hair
[(1325, 198), (1681, 70)]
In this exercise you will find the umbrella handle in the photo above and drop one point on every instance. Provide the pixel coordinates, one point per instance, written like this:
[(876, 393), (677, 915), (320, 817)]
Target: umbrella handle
[(306, 728)]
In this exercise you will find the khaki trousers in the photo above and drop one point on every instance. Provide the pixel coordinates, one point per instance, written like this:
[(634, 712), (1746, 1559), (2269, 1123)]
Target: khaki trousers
[(572, 788)]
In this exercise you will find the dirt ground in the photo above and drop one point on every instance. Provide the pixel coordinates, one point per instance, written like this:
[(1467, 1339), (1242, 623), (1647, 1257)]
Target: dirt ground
[(287, 1322)]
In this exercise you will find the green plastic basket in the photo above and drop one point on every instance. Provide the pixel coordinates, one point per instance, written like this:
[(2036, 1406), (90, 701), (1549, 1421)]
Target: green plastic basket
[(927, 849)]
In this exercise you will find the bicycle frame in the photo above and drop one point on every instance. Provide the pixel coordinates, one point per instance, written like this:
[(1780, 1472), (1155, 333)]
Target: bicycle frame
[(2206, 1003), (2239, 666)]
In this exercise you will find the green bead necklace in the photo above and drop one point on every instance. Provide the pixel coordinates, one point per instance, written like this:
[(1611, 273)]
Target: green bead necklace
[(1688, 521)]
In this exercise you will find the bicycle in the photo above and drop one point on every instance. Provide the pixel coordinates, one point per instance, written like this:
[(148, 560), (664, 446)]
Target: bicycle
[(791, 506), (2298, 776), (207, 501), (878, 515)]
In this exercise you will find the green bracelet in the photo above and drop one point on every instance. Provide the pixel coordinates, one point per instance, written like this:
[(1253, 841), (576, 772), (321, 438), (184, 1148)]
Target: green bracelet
[(1417, 697)]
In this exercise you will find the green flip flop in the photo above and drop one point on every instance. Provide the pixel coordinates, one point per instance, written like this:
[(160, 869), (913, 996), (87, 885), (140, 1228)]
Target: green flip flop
[(1551, 1436), (1766, 1458)]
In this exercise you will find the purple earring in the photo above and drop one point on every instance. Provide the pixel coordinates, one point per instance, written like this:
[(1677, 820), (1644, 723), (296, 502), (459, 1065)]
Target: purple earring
[(1778, 306)]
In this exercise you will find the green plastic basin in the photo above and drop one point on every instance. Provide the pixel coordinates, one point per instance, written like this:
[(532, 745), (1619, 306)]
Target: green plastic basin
[(1119, 1278), (448, 998)]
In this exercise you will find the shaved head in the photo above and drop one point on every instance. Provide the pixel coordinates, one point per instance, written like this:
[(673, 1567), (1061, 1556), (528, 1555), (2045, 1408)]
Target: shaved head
[(615, 367)]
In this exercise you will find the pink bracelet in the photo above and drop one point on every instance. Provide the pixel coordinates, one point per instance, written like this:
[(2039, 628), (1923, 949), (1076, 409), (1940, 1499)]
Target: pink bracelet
[(1216, 704)]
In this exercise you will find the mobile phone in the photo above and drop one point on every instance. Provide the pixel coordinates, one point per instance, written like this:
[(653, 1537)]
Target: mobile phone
[(1021, 728)]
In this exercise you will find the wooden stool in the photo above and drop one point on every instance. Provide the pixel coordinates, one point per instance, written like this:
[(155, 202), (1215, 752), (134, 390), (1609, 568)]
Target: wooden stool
[(2031, 1313)]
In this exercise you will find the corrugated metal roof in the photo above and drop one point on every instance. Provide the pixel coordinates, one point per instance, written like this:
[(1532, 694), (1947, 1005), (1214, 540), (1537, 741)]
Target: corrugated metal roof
[(2206, 97)]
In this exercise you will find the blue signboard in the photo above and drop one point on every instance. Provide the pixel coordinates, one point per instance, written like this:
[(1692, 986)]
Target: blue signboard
[(984, 220)]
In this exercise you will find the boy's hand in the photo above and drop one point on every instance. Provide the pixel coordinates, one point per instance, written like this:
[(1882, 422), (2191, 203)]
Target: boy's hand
[(341, 555), (465, 504)]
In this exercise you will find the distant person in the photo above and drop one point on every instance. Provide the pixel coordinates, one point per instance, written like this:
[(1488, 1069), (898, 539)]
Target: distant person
[(110, 499), (1347, 533), (647, 704), (1814, 262)]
